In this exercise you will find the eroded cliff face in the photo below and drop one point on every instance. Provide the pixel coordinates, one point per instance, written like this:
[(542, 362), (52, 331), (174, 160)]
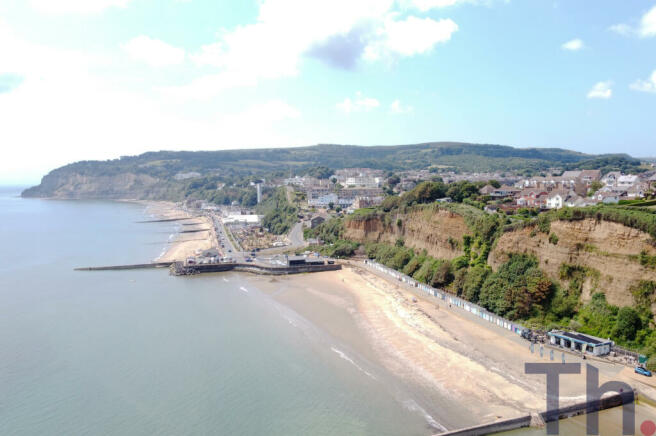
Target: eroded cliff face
[(79, 186), (439, 232), (609, 250)]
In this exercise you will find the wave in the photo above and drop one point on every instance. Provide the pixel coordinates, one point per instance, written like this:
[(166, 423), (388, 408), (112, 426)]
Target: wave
[(412, 405), (291, 321), (344, 356)]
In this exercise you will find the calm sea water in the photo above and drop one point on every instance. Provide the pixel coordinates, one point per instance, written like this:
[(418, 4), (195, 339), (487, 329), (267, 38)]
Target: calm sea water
[(140, 352)]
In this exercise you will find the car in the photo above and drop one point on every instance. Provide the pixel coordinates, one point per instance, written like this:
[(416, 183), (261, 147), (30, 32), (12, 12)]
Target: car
[(642, 371)]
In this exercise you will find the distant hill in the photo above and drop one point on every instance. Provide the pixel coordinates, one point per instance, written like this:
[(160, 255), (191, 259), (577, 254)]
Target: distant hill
[(152, 175)]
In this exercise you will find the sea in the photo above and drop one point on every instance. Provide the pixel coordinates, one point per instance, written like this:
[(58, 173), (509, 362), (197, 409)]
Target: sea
[(144, 353)]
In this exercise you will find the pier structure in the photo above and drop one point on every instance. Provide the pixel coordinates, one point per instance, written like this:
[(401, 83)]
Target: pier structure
[(183, 269)]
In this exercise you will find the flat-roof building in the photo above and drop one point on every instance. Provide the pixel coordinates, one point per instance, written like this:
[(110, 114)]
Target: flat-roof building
[(580, 342)]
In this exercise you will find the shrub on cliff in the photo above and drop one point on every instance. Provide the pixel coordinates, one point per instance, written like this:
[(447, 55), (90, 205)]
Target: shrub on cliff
[(517, 290), (627, 324)]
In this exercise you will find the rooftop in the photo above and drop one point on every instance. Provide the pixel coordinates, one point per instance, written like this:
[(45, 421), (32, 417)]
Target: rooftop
[(579, 337)]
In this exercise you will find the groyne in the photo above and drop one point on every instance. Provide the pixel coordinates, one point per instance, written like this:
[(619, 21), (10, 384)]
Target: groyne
[(165, 220), (124, 267), (592, 406)]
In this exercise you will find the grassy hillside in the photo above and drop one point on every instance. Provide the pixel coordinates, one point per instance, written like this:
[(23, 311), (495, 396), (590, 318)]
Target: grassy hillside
[(152, 174)]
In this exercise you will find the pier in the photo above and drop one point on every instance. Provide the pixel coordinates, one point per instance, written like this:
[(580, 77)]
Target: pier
[(182, 269)]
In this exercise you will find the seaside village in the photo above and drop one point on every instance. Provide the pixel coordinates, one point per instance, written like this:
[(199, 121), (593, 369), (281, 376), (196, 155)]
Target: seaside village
[(350, 189)]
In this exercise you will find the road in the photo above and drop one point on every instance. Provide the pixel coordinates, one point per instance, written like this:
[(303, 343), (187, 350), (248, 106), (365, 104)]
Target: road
[(229, 249), (296, 241), (295, 236)]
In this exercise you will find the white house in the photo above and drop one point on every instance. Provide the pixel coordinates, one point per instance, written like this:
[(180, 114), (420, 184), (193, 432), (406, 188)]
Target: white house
[(556, 199), (626, 181)]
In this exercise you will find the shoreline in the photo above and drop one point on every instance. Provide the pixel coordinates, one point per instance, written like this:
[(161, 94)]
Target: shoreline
[(180, 245), (460, 371)]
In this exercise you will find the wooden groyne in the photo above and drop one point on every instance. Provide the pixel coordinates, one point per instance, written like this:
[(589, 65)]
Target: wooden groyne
[(180, 269), (125, 267), (164, 220)]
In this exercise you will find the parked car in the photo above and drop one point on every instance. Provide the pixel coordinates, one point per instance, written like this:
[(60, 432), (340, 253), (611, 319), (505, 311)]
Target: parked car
[(642, 371)]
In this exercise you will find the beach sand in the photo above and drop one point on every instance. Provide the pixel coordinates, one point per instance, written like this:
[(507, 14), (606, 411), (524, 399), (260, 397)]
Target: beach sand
[(184, 244), (462, 370)]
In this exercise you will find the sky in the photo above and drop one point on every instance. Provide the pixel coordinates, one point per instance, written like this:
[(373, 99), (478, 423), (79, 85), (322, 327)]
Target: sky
[(100, 79)]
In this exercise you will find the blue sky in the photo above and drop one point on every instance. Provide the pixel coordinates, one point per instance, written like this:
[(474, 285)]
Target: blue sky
[(97, 79)]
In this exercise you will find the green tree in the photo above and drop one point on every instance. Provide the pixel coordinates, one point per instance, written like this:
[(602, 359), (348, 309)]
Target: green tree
[(628, 323)]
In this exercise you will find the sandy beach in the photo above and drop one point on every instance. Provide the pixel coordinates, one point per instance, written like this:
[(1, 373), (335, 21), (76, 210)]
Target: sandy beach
[(184, 244), (462, 370)]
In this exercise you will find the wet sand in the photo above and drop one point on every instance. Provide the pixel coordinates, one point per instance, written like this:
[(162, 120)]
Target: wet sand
[(461, 370)]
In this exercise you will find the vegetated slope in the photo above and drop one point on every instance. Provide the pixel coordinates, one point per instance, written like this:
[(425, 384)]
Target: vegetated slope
[(152, 174), (605, 256), (439, 231), (606, 253)]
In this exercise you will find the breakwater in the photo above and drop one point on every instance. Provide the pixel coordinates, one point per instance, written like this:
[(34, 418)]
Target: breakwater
[(591, 406)]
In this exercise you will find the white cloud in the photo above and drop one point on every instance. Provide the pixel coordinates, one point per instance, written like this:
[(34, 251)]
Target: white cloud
[(154, 52), (410, 37), (81, 114), (573, 45), (210, 85), (426, 5), (621, 29), (648, 24), (601, 90), (398, 108), (75, 6), (648, 85), (359, 104), (340, 33), (646, 27)]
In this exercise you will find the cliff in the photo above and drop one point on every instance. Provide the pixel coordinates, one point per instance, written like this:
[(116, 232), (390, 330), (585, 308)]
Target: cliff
[(439, 232), (72, 185), (609, 251)]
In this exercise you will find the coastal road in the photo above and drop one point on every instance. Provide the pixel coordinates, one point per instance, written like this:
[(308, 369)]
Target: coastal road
[(222, 236)]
